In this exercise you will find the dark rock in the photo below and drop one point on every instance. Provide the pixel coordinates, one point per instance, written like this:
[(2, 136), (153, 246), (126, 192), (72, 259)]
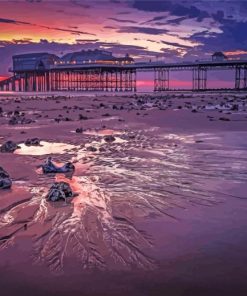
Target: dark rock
[(59, 191), (79, 130), (5, 181), (32, 142), (102, 149), (13, 120), (49, 167), (234, 107), (9, 147), (224, 119), (109, 139), (106, 115), (82, 117), (91, 149)]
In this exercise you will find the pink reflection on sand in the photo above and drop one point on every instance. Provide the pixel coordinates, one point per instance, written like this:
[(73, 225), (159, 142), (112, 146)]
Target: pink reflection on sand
[(104, 132)]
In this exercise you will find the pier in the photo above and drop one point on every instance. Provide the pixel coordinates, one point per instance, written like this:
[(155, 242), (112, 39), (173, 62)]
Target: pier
[(100, 71)]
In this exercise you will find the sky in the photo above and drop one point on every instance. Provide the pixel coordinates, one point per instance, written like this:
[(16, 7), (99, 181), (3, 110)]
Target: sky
[(156, 30)]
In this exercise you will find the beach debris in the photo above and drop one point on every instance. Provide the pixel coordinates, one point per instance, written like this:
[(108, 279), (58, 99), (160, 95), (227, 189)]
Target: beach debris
[(9, 147), (5, 181), (32, 142), (49, 167), (59, 191), (109, 139)]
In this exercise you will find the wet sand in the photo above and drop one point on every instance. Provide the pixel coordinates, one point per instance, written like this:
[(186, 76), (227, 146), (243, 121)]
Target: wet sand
[(161, 210)]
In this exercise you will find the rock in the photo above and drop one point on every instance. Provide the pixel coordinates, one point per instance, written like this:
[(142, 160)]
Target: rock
[(82, 117), (59, 191), (79, 130), (235, 107), (13, 120), (49, 167), (102, 149), (32, 142), (91, 148), (5, 181), (106, 115), (9, 147), (224, 119), (109, 139)]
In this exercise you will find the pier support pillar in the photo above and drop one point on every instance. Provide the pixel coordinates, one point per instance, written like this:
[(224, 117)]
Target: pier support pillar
[(161, 79)]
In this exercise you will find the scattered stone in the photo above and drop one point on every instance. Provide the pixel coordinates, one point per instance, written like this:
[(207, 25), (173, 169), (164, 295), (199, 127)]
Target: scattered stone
[(59, 191), (9, 147), (5, 181)]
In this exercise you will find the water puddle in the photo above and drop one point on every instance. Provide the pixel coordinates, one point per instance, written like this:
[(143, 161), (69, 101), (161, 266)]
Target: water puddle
[(45, 148)]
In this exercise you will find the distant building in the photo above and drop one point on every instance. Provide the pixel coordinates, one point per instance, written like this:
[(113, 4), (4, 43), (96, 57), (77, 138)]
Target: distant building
[(219, 56), (34, 61), (44, 61), (94, 57)]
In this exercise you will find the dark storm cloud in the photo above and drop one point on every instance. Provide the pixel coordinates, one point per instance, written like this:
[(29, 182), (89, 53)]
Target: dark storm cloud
[(17, 22), (142, 30), (176, 21), (175, 44), (174, 8), (109, 27), (122, 21), (14, 22), (80, 4), (232, 36), (86, 40), (123, 12)]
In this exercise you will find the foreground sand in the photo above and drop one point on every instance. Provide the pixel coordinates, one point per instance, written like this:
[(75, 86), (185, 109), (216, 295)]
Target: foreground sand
[(160, 211)]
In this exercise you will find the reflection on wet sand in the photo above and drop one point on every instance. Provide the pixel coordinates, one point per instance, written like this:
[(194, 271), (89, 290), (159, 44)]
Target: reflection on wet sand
[(45, 148), (132, 177)]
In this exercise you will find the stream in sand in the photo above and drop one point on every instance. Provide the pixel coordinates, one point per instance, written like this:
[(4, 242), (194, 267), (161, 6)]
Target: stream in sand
[(141, 176)]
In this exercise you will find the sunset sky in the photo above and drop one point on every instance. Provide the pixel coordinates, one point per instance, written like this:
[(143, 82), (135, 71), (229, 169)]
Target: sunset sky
[(168, 30)]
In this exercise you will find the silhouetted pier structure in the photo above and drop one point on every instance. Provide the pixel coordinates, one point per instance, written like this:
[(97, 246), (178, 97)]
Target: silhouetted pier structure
[(97, 70)]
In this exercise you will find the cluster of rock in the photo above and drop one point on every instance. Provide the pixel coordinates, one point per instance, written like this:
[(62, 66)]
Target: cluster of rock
[(19, 118), (59, 191), (49, 167)]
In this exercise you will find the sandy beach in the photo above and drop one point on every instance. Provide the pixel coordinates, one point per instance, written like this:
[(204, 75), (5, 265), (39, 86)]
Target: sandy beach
[(160, 194)]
